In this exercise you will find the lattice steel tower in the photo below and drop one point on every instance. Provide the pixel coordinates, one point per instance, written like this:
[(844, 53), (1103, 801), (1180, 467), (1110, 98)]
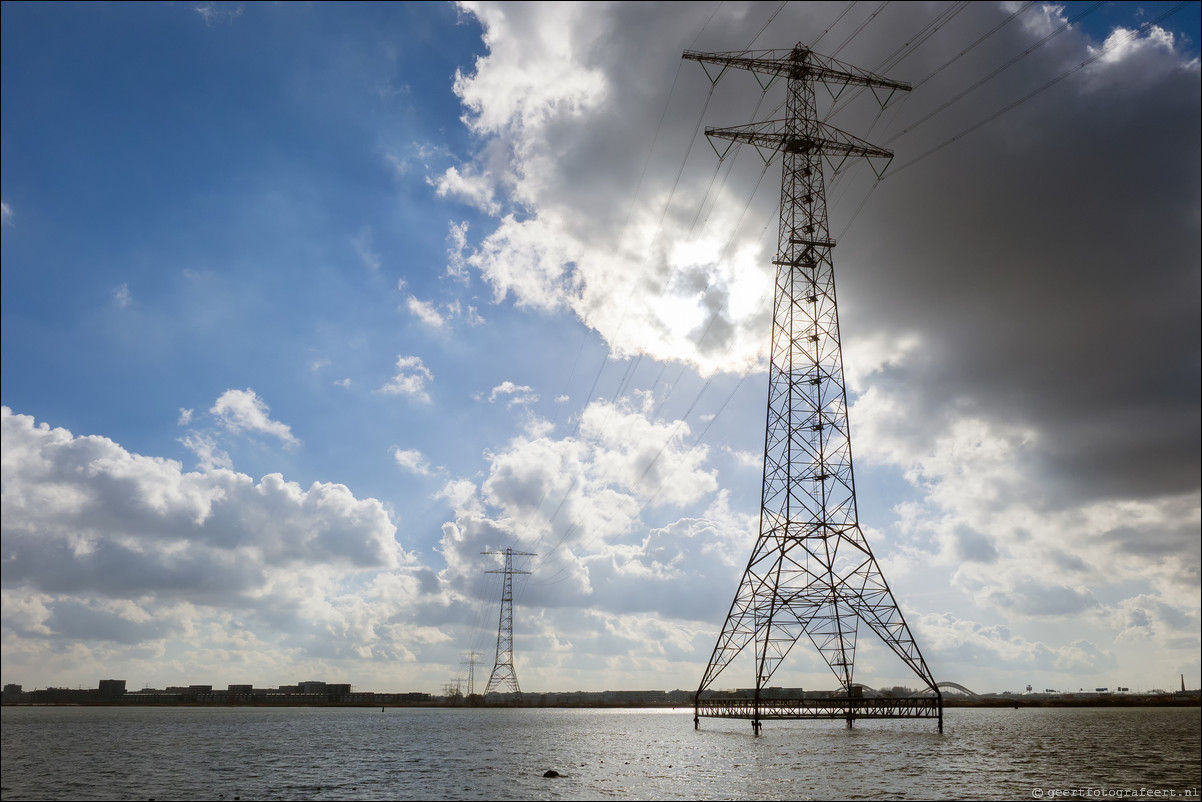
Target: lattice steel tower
[(502, 671), (471, 673), (811, 572)]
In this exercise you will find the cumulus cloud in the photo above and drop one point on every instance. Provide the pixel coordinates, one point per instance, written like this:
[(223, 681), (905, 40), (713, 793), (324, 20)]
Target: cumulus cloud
[(619, 575), (126, 524), (244, 411), (137, 559), (1125, 44), (578, 501), (411, 378)]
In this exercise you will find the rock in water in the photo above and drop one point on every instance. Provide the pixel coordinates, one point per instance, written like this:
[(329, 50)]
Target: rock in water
[(550, 773)]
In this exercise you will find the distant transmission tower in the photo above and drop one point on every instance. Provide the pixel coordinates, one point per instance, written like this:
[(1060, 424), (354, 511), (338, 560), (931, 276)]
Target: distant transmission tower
[(811, 572), (471, 673), (502, 671)]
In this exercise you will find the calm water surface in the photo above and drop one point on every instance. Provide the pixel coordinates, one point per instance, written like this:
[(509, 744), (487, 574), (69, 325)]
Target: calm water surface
[(314, 753)]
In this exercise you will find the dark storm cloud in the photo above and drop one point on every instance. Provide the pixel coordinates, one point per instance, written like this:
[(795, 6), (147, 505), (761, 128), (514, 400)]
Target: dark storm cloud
[(1058, 288), (1048, 261)]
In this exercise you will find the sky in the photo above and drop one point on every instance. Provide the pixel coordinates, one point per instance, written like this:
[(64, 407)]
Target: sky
[(310, 309)]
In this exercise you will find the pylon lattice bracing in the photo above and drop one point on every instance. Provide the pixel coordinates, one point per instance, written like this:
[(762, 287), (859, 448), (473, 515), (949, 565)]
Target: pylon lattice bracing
[(503, 675), (811, 573)]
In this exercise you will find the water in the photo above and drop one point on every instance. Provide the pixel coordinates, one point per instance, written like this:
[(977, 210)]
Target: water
[(409, 753)]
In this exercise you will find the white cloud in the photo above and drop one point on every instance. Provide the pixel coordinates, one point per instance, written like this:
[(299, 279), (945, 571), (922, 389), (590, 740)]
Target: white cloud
[(1124, 44), (425, 312), (580, 497), (533, 71), (412, 460), (581, 242), (748, 459), (121, 296), (518, 394), (456, 246), (243, 411), (185, 417), (410, 380), (137, 559), (208, 454), (81, 512), (6, 214), (477, 191)]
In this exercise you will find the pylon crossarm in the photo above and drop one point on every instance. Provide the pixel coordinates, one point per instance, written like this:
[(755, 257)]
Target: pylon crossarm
[(777, 135), (812, 66)]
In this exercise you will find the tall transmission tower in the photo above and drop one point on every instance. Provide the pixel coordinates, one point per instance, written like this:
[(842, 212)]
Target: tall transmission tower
[(811, 573), (503, 674)]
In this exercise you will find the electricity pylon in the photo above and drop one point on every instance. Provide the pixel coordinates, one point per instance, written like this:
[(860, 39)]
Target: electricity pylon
[(811, 572), (471, 672), (502, 671)]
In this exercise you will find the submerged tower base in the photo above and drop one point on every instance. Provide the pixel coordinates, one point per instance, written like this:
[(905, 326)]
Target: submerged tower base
[(848, 708)]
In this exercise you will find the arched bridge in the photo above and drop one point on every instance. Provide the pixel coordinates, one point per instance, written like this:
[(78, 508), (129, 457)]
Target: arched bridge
[(954, 686)]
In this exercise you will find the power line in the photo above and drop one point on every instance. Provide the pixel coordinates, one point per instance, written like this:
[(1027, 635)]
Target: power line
[(1113, 43), (1066, 26), (966, 50), (850, 6), (862, 26)]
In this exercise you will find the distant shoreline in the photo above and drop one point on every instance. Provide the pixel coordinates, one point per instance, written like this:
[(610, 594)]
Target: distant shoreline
[(1000, 702), (1105, 701)]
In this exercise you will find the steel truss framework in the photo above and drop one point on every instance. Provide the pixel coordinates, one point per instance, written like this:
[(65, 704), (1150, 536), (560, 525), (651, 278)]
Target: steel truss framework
[(503, 676), (845, 708), (811, 573)]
